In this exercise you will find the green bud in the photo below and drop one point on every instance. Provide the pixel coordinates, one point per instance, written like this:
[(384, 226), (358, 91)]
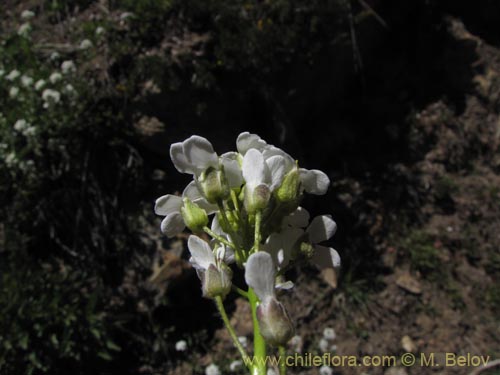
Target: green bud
[(194, 216), (257, 199), (307, 249), (217, 281), (275, 325), (289, 191), (213, 185)]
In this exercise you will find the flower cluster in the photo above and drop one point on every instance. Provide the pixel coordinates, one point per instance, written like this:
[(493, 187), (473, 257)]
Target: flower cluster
[(248, 202)]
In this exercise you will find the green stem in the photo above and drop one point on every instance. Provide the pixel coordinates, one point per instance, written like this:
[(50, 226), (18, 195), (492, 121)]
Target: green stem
[(240, 291), (259, 345), (218, 238), (230, 329), (257, 238), (234, 238), (282, 363)]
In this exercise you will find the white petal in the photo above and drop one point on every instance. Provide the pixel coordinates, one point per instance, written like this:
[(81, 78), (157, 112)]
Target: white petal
[(299, 218), (193, 193), (200, 153), (271, 151), (287, 285), (290, 237), (321, 229), (168, 204), (255, 171), (260, 274), (277, 168), (172, 224), (232, 169), (314, 181), (246, 141), (325, 257), (181, 163), (201, 252)]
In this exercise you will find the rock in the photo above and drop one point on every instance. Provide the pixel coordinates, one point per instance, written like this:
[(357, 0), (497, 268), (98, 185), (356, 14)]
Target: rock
[(408, 283), (408, 344)]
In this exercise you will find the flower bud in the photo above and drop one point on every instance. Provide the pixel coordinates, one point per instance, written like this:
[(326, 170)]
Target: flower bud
[(274, 322), (216, 281), (213, 185), (257, 198), (194, 216), (289, 191), (307, 249)]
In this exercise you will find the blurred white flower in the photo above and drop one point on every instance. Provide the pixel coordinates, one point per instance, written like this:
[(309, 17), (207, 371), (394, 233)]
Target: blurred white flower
[(30, 131), (99, 31), (325, 370), (181, 345), (14, 74), (68, 66), (55, 77), (27, 14), (50, 96), (39, 84), (10, 160), (13, 92), (2, 72), (243, 341), (212, 369), (86, 44), (126, 15), (235, 365), (54, 55), (271, 371), (20, 125), (329, 333), (296, 343), (323, 345), (69, 89), (26, 81), (24, 30)]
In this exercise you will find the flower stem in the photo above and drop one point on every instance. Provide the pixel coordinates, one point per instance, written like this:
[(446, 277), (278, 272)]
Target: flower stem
[(259, 345), (234, 238), (282, 363), (230, 329), (217, 237), (257, 237)]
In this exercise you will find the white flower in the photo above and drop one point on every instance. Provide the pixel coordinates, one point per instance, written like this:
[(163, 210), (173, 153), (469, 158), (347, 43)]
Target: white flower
[(2, 72), (329, 333), (68, 66), (14, 74), (323, 345), (212, 369), (55, 77), (69, 89), (194, 156), (20, 125), (210, 266), (100, 30), (126, 15), (13, 92), (30, 131), (275, 324), (325, 370), (27, 14), (296, 343), (24, 30), (170, 207), (281, 245), (54, 55), (11, 159), (181, 345), (243, 341), (271, 371), (39, 84), (50, 96), (235, 365), (26, 81), (86, 44), (321, 229)]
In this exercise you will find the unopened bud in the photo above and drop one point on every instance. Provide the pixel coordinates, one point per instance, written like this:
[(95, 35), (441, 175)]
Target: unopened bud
[(257, 198), (194, 216), (274, 322), (307, 249), (289, 191), (213, 185), (216, 281)]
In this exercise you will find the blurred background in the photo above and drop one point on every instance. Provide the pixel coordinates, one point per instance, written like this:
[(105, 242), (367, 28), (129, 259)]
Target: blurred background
[(397, 101)]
